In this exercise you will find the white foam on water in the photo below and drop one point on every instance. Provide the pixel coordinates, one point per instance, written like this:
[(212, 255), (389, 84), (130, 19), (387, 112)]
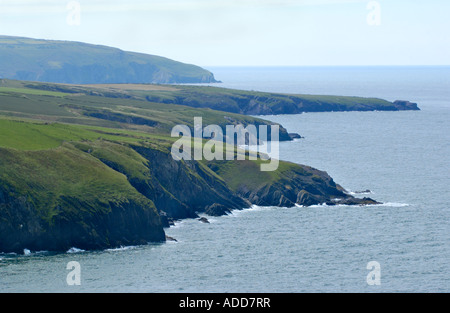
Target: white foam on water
[(324, 205), (40, 252), (253, 208), (121, 248), (75, 250), (178, 224), (26, 252), (393, 204), (355, 193), (211, 219)]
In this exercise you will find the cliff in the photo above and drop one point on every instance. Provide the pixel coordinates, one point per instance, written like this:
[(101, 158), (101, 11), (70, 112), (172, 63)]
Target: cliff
[(107, 193), (90, 167), (265, 103)]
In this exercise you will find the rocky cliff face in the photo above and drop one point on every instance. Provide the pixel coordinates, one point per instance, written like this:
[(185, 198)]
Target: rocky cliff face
[(292, 184), (182, 189), (118, 194), (264, 103), (77, 224)]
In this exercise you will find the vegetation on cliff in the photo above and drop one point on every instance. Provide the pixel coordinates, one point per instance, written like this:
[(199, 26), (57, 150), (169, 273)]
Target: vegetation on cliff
[(91, 167), (81, 63), (265, 103), (64, 186)]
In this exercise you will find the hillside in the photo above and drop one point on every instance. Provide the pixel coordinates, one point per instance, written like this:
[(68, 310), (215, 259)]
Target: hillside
[(126, 107), (64, 186), (70, 178), (265, 103), (81, 63)]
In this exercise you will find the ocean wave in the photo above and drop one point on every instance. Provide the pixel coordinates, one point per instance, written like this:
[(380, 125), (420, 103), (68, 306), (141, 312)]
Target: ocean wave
[(365, 192), (393, 204), (9, 254), (253, 208), (264, 208), (386, 204), (178, 224), (121, 248), (210, 219), (75, 250), (323, 205)]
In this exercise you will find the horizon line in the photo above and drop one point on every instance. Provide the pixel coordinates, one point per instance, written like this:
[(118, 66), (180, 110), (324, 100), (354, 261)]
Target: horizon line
[(386, 65)]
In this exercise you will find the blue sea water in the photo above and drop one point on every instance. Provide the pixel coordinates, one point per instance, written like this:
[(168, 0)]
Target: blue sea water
[(401, 157)]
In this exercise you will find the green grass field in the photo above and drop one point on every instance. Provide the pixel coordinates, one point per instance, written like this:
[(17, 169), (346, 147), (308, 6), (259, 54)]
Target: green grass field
[(105, 108)]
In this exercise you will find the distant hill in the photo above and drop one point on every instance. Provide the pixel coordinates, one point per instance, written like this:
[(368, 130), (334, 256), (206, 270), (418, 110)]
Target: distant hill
[(81, 63)]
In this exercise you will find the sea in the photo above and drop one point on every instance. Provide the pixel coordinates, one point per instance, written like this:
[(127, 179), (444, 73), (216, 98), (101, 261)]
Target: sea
[(401, 159)]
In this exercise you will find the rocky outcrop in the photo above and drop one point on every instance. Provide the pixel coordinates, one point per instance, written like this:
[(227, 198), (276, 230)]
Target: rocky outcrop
[(203, 220), (294, 136), (292, 185), (217, 209), (264, 103), (403, 105)]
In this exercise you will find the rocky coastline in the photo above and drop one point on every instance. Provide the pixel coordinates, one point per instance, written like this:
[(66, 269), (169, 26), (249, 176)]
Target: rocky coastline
[(161, 191)]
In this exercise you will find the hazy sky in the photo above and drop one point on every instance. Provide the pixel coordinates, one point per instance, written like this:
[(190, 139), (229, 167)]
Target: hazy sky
[(246, 32)]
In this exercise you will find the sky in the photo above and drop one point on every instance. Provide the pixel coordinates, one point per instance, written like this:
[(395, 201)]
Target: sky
[(246, 32)]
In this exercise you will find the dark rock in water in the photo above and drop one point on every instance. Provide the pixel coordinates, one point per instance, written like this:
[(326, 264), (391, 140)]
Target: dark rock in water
[(363, 191), (168, 238), (357, 201), (366, 200), (217, 209), (294, 136), (203, 220)]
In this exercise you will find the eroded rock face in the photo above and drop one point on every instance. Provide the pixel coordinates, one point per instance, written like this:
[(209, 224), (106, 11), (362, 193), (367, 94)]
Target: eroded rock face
[(406, 105), (158, 189), (19, 222), (76, 224), (217, 209), (183, 188)]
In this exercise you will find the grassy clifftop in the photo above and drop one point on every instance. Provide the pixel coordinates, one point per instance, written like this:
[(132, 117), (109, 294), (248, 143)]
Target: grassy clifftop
[(232, 100), (264, 103), (125, 108)]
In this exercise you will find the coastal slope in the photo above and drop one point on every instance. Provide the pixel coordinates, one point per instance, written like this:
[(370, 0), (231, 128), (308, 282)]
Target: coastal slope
[(82, 63), (91, 167), (64, 186), (265, 103)]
